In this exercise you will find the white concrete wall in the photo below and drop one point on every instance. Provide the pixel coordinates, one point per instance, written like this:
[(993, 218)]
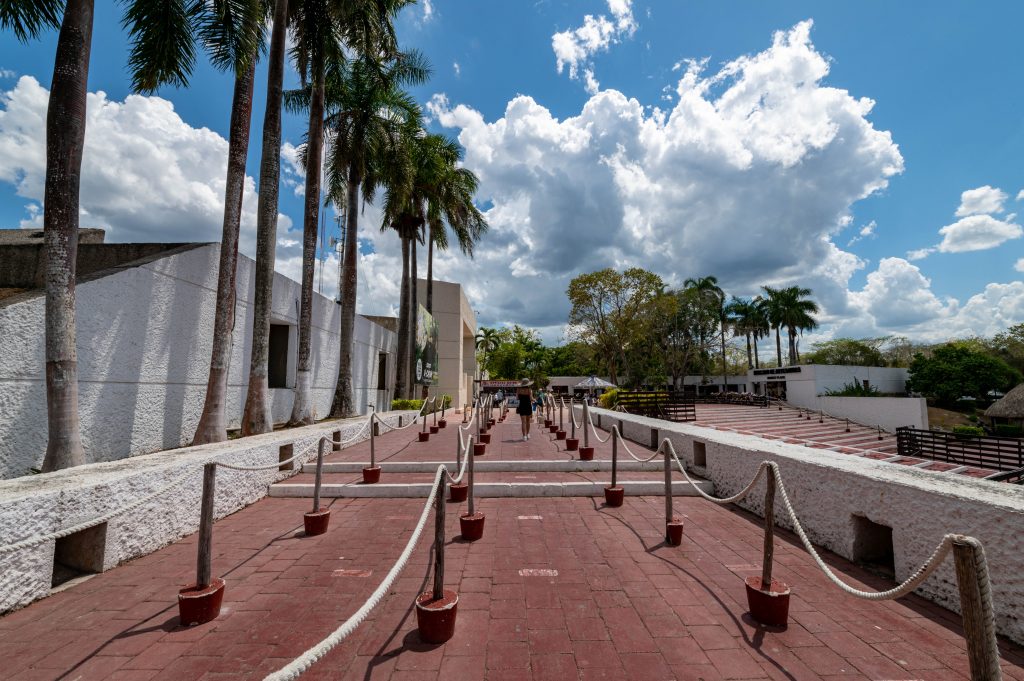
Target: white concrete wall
[(42, 504), (828, 490), (144, 342), (888, 412), (832, 377), (456, 331)]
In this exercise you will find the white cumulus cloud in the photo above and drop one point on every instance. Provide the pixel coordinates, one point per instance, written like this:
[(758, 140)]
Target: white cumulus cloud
[(977, 233), (981, 200), (1019, 265), (575, 47)]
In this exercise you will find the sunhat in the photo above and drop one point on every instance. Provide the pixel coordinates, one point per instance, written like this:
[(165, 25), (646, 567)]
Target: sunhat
[(525, 382)]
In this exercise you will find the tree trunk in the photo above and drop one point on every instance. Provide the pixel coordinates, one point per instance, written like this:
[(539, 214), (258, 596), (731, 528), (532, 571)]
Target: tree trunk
[(757, 360), (413, 319), (792, 345), (778, 346), (402, 351), (256, 417), (750, 356), (302, 405), (344, 404), (430, 275), (725, 367), (65, 143), (213, 422)]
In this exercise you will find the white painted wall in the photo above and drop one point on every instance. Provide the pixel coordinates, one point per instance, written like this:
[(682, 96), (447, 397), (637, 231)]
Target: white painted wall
[(42, 504), (144, 342), (888, 412), (828, 489)]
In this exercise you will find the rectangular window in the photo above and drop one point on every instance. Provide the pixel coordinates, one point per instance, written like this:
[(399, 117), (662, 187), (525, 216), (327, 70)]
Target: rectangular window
[(277, 369), (382, 371)]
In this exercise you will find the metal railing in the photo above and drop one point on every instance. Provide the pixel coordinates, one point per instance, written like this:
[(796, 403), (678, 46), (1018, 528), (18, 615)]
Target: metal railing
[(996, 453)]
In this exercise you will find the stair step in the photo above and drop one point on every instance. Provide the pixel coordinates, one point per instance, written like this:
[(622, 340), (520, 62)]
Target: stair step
[(489, 489), (490, 466)]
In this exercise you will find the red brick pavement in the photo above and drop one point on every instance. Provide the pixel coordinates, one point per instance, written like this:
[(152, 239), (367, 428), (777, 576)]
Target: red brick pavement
[(622, 606)]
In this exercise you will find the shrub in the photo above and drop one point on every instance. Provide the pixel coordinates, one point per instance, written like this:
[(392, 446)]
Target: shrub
[(609, 399), (968, 431), (854, 390), (1008, 430), (406, 405)]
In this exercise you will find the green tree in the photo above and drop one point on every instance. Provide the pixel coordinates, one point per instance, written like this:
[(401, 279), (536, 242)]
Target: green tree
[(955, 370), (487, 341), (610, 312), (847, 351), (791, 308), (711, 302), (1009, 346)]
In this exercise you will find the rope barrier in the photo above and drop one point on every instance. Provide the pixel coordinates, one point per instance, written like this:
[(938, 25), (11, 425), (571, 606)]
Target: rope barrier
[(415, 418)]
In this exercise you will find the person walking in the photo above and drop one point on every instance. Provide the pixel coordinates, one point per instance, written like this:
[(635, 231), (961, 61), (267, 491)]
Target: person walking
[(525, 407)]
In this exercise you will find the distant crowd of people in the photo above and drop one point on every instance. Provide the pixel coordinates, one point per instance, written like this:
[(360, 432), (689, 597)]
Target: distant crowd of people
[(529, 404)]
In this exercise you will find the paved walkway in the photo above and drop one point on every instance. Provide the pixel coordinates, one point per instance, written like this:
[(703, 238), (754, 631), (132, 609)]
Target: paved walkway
[(557, 589)]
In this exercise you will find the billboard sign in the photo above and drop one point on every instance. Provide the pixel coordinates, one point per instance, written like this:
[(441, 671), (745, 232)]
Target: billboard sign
[(426, 348)]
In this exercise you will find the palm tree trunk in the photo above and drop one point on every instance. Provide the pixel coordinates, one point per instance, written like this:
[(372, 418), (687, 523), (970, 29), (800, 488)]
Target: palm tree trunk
[(757, 360), (413, 321), (344, 405), (402, 351), (750, 357), (430, 275), (725, 368), (256, 418), (65, 142), (213, 422), (792, 345), (302, 405), (778, 345)]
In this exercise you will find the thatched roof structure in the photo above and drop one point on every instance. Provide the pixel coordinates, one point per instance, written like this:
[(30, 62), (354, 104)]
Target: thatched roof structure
[(1011, 406)]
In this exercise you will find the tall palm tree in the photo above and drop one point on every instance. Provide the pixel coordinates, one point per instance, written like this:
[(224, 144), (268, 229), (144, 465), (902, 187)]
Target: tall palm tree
[(165, 61), (369, 116), (711, 300), (773, 312), (256, 417), (759, 325), (740, 313), (487, 341), (232, 33), (791, 308)]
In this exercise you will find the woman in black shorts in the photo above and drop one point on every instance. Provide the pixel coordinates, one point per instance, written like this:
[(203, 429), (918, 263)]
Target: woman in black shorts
[(525, 408)]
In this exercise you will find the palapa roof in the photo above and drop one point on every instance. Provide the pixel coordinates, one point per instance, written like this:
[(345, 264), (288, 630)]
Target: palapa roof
[(1011, 406)]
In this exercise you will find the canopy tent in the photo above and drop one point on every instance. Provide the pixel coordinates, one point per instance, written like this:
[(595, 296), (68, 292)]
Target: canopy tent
[(594, 382)]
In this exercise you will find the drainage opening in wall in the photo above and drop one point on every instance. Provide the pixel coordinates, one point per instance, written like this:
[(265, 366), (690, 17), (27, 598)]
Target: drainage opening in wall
[(284, 453), (872, 547), (79, 554), (700, 455)]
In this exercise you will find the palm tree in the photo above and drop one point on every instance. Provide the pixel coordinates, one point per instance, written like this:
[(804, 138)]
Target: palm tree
[(232, 33), (165, 61), (711, 301), (256, 417), (369, 119), (790, 308), (487, 341), (740, 313), (759, 325)]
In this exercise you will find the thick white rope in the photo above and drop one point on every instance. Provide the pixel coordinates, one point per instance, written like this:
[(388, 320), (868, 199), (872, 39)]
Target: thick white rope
[(300, 664), (414, 419), (572, 413), (41, 539)]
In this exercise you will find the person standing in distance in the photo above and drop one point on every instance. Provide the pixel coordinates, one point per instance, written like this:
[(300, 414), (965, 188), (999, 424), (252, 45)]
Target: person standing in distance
[(525, 408)]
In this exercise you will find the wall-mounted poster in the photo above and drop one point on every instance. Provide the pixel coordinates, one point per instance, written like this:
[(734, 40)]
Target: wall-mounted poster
[(426, 348)]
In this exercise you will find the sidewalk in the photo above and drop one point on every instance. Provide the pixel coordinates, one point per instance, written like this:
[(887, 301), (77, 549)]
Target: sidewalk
[(559, 589)]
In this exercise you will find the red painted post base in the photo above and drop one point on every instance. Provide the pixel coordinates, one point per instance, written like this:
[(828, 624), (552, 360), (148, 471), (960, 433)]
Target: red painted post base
[(485, 438), (479, 449), (434, 429), (559, 434), (572, 444), (613, 496), (422, 436), (199, 606), (547, 423), (674, 532), (316, 522), (459, 492), (472, 526), (553, 428), (768, 607), (586, 453), (436, 619), (443, 423), (490, 423), (371, 475)]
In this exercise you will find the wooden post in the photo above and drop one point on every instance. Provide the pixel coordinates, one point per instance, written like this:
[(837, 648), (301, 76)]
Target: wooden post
[(572, 415), (976, 609), (821, 416), (469, 499), (439, 538), (204, 556), (373, 440), (615, 455), (443, 400), (769, 532), (320, 473), (586, 431), (561, 421), (668, 487)]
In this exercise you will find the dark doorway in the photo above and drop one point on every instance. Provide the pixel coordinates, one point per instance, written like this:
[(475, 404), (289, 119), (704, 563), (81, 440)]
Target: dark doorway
[(277, 369)]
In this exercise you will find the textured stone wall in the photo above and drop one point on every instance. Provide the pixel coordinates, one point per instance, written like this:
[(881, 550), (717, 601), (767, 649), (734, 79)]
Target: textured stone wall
[(828, 490)]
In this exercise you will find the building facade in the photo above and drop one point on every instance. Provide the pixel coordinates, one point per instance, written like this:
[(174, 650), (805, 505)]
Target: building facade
[(144, 337), (456, 340)]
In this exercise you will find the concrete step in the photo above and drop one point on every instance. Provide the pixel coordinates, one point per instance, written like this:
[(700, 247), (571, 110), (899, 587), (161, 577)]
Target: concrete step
[(489, 489), (491, 466)]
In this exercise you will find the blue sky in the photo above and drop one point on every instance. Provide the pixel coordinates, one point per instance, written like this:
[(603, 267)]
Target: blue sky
[(578, 176)]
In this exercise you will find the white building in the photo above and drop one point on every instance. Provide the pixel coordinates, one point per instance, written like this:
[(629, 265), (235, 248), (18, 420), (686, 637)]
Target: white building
[(456, 340), (145, 329), (802, 384)]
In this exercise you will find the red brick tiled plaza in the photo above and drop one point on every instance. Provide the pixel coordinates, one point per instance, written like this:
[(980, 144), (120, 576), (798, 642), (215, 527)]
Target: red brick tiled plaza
[(612, 600)]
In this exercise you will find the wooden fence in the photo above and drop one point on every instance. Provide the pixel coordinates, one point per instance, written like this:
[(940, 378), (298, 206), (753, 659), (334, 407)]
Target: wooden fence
[(997, 453), (662, 404)]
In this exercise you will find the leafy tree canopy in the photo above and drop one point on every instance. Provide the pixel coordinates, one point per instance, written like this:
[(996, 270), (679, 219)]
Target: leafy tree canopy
[(959, 369)]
